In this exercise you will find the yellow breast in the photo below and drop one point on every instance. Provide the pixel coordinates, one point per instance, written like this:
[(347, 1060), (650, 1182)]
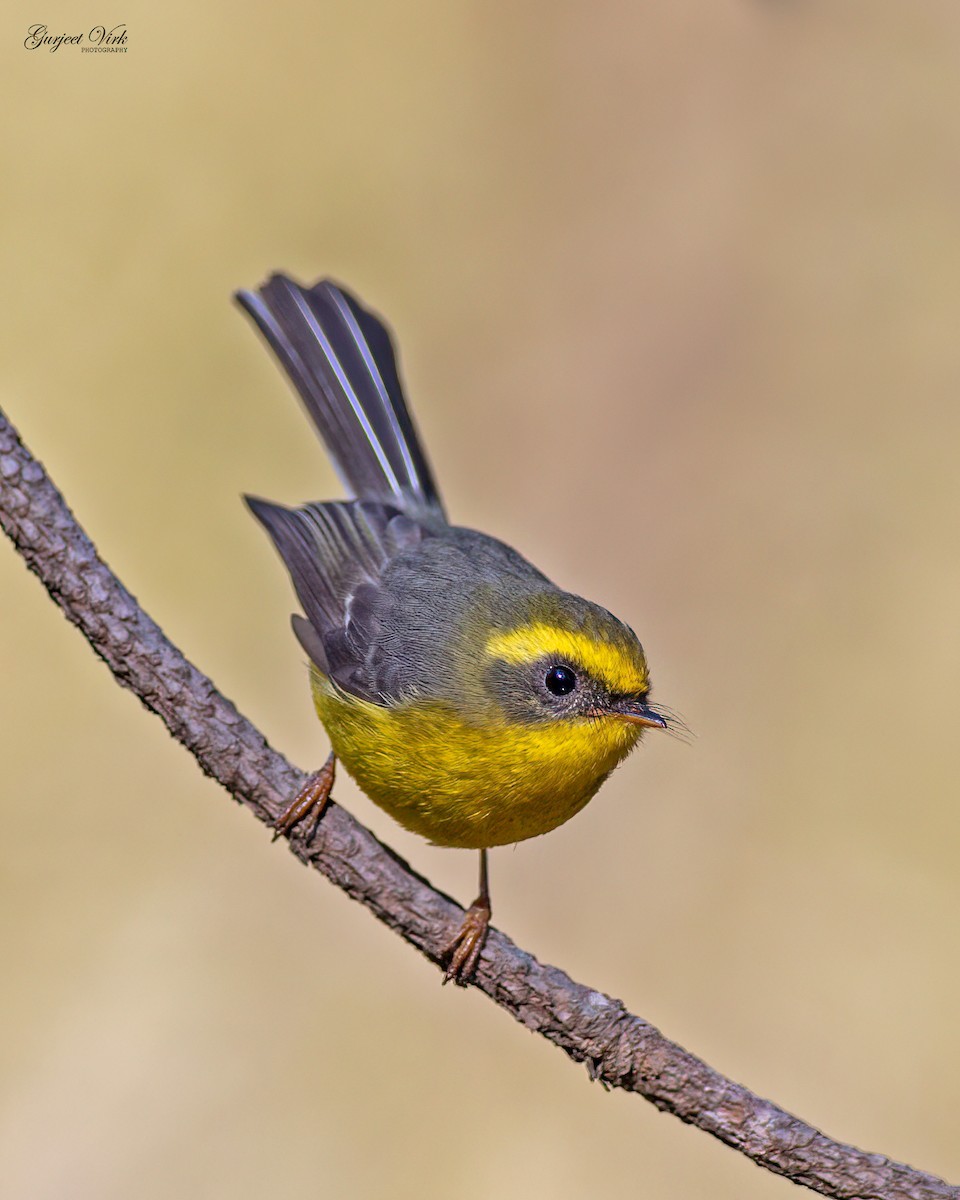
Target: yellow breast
[(459, 784)]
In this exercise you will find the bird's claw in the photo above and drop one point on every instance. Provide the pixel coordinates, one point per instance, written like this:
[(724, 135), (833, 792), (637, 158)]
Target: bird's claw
[(311, 798), (462, 952)]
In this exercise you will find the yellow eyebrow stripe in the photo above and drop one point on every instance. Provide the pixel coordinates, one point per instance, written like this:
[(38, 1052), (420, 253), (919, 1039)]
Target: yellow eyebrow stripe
[(606, 662)]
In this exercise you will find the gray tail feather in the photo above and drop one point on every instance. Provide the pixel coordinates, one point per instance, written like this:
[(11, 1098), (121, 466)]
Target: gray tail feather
[(340, 359)]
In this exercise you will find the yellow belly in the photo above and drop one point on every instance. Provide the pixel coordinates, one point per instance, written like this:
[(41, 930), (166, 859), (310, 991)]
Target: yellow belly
[(476, 786)]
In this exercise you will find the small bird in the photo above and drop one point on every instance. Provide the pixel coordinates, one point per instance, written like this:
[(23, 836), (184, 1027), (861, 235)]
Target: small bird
[(467, 695)]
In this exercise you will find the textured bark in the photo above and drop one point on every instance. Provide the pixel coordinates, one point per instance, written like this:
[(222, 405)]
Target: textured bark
[(619, 1049)]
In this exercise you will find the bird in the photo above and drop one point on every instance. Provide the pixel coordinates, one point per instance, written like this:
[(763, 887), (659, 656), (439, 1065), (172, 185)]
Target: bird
[(468, 696)]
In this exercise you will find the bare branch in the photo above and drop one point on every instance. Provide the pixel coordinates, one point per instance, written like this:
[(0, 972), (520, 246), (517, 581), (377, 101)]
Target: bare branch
[(619, 1049)]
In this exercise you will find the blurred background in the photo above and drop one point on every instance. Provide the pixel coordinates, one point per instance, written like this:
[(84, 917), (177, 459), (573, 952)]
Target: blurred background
[(675, 288)]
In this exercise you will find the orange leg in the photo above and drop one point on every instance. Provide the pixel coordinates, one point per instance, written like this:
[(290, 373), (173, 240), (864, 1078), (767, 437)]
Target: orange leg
[(312, 798), (463, 950)]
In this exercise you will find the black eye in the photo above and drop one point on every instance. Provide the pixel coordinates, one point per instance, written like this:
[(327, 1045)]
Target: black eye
[(560, 681)]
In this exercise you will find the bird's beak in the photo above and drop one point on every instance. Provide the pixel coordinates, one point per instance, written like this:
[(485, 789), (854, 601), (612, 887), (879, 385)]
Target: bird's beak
[(638, 713)]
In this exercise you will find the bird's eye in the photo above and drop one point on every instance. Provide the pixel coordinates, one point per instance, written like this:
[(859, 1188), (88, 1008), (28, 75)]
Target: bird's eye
[(560, 681)]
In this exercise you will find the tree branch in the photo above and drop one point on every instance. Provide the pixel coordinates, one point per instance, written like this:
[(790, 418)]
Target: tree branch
[(619, 1049)]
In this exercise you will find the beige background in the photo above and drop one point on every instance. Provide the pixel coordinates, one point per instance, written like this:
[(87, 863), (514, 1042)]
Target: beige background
[(676, 292)]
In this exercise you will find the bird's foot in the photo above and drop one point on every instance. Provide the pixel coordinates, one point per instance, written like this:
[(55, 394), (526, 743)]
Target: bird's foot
[(462, 952), (311, 798)]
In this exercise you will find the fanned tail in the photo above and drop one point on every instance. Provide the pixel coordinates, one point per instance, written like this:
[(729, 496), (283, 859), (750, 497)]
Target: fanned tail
[(340, 359)]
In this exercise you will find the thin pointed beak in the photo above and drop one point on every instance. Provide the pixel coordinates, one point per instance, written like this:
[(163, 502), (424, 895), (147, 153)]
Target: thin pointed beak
[(638, 713)]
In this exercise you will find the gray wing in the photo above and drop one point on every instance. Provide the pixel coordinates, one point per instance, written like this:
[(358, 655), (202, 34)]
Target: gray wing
[(336, 554)]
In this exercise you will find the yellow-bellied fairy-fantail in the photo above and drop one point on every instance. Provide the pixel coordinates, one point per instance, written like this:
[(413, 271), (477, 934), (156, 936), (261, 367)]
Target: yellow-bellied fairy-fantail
[(467, 695)]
